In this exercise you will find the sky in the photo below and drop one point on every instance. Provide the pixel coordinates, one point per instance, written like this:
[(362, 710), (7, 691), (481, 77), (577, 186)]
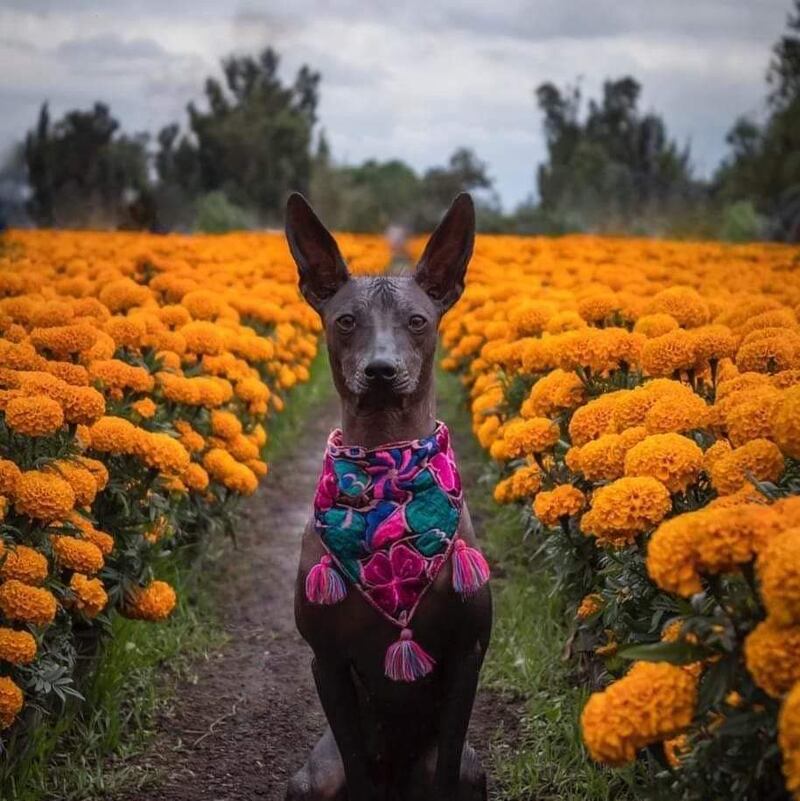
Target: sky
[(410, 80)]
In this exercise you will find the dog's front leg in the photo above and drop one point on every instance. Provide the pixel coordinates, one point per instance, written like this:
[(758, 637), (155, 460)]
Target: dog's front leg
[(461, 684), (337, 695)]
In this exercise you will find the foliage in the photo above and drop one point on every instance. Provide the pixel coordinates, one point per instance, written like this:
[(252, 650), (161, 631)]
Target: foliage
[(81, 170), (215, 214), (763, 165)]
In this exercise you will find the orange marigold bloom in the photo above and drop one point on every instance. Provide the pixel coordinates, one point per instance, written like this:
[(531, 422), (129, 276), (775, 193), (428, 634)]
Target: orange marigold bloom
[(162, 452), (63, 341), (759, 459), (114, 435), (259, 468), (114, 374), (672, 459), (17, 647), (90, 596), (669, 353), (789, 739), (683, 303), (23, 563), (190, 439), (9, 476), (82, 480), (525, 437), (154, 602), (77, 554), (713, 342), (653, 701), (655, 325), (622, 510), (97, 469), (593, 419), (203, 338), (225, 424), (767, 355), (673, 415), (145, 408), (223, 468), (11, 701), (779, 574), (590, 605), (552, 393), (34, 416), (786, 422), (32, 605), (564, 501), (772, 655), (43, 496), (195, 477)]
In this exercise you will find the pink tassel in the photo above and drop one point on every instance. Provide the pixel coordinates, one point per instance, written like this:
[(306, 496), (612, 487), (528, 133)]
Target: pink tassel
[(470, 569), (324, 585), (407, 660)]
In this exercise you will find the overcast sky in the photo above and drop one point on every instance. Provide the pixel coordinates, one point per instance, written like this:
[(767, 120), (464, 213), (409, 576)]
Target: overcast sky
[(411, 79)]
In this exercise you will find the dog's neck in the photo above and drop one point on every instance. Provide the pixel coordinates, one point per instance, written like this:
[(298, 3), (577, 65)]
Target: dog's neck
[(371, 427)]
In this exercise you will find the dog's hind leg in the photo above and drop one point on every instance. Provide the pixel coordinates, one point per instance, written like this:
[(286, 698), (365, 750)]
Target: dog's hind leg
[(471, 785), (322, 777)]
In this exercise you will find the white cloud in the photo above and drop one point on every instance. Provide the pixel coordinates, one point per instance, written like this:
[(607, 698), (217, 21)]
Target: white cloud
[(412, 80)]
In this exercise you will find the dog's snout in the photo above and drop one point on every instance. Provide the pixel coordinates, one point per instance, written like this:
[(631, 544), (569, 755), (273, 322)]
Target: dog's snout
[(380, 370)]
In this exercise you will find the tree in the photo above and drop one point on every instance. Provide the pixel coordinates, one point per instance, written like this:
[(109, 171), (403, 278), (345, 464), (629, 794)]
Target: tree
[(611, 165), (81, 171), (253, 141), (763, 165)]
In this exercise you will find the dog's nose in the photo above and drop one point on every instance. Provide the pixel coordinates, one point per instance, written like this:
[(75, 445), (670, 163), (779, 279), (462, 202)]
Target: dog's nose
[(380, 370)]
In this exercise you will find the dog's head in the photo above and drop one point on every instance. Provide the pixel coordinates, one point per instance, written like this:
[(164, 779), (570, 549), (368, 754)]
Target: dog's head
[(381, 330)]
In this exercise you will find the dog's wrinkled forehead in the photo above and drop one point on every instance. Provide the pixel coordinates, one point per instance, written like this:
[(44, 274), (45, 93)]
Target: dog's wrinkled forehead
[(386, 293)]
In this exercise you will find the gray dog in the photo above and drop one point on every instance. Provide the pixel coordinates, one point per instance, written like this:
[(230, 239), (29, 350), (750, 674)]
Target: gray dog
[(387, 739)]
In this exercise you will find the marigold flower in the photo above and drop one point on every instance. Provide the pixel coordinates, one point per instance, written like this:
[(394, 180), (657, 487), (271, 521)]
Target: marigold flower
[(653, 701), (672, 459), (161, 451), (17, 647), (11, 701), (113, 435), (562, 502), (603, 459), (222, 467), (772, 656), (525, 437), (32, 605), (622, 510), (9, 476), (63, 341), (590, 605), (786, 422), (655, 325), (668, 354), (154, 602), (34, 416), (552, 393), (145, 408), (203, 338), (98, 470), (82, 481), (767, 355), (593, 419), (673, 415), (530, 318), (77, 554), (712, 343), (83, 405), (759, 459), (90, 596), (23, 563), (43, 496), (789, 739), (779, 574), (225, 424), (195, 477)]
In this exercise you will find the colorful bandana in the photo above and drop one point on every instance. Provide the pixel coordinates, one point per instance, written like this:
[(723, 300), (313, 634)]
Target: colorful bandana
[(388, 518)]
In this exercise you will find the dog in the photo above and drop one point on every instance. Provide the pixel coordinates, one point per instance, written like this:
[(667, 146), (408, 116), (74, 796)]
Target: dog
[(388, 740)]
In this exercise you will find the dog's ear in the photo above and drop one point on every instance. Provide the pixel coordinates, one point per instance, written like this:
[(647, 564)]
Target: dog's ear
[(319, 263), (441, 269)]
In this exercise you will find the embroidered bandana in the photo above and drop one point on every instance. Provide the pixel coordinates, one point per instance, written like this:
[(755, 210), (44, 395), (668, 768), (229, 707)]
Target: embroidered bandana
[(388, 519)]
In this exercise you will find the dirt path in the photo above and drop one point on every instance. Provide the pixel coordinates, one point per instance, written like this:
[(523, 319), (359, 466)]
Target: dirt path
[(249, 720)]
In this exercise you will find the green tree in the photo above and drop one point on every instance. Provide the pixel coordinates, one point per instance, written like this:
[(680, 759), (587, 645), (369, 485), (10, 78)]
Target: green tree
[(253, 139), (81, 170), (763, 165), (611, 165)]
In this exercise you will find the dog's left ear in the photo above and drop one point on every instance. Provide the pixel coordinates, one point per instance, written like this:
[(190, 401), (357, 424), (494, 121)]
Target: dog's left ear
[(320, 264), (443, 265)]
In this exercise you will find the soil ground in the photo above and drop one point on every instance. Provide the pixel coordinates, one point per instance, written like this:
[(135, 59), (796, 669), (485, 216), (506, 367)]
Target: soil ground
[(247, 722)]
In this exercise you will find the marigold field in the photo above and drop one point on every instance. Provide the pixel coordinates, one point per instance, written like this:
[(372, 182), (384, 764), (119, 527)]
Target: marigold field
[(642, 401), (138, 375), (639, 400)]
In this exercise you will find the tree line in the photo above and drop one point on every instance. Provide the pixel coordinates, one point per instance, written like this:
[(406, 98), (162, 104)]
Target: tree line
[(254, 137)]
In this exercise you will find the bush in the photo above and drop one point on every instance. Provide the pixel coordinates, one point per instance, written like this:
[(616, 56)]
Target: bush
[(215, 214)]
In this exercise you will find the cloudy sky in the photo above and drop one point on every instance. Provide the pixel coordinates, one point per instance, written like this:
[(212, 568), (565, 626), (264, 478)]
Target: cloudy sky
[(411, 79)]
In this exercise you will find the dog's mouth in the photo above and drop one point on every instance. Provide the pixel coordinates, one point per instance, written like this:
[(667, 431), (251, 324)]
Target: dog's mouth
[(381, 391)]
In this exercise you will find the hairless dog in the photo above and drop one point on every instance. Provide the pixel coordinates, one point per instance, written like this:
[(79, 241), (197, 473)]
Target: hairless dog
[(397, 709)]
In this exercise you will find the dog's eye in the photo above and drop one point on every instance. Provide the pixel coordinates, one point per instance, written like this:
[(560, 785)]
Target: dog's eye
[(417, 322), (346, 322)]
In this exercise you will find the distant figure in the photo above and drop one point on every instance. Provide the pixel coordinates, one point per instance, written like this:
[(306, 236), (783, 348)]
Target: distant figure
[(397, 237)]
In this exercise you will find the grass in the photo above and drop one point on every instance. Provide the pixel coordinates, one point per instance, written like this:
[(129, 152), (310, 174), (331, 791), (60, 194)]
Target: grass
[(548, 761), (82, 753)]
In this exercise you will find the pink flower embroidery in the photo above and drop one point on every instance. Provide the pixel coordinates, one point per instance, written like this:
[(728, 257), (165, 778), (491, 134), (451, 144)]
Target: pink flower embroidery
[(327, 488), (395, 581), (445, 473)]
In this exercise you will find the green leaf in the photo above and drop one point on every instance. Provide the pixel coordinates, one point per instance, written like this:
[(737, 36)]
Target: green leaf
[(676, 653)]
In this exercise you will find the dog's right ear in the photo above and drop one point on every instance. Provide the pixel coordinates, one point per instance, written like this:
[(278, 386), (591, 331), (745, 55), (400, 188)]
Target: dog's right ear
[(320, 264)]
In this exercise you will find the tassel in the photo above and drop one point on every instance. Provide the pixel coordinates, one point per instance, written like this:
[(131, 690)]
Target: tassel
[(407, 660), (470, 569), (324, 585)]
